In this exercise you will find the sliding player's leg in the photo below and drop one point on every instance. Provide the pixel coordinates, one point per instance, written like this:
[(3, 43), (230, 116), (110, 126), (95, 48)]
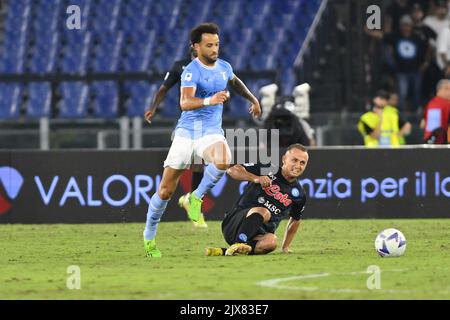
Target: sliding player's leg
[(265, 243), (244, 242)]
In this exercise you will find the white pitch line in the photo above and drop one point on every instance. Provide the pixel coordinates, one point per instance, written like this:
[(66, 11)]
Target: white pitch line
[(275, 284)]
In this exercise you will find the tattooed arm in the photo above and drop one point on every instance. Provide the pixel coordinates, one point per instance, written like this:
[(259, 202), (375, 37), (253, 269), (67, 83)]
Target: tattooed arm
[(239, 87)]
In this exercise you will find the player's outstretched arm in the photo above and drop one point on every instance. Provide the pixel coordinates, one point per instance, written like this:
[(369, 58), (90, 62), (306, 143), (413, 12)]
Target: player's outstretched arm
[(188, 100), (239, 173), (291, 230), (159, 97), (241, 89)]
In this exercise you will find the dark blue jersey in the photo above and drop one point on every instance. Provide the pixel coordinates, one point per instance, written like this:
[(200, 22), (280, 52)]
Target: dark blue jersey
[(282, 198)]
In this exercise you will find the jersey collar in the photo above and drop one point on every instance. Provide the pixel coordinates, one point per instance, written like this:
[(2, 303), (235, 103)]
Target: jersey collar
[(280, 175), (204, 65)]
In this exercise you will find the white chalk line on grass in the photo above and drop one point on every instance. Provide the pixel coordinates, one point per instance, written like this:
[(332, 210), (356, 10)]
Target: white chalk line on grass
[(276, 284)]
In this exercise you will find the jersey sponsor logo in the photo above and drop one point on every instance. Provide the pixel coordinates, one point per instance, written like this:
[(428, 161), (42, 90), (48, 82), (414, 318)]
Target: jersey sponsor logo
[(188, 76), (261, 200), (274, 191), (272, 208)]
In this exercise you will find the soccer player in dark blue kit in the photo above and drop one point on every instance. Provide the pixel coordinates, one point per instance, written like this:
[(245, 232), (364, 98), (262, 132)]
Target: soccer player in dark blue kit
[(250, 226)]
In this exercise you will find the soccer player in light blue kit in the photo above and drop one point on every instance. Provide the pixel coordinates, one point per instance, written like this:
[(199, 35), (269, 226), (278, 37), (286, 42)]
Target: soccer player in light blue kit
[(199, 130)]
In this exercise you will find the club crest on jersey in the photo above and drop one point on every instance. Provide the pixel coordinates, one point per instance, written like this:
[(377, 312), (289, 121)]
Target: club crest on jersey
[(224, 75), (295, 192), (274, 191)]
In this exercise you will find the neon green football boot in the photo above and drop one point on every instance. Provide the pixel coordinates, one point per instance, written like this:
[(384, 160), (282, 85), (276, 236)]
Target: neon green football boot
[(151, 250), (201, 222), (193, 207), (183, 202)]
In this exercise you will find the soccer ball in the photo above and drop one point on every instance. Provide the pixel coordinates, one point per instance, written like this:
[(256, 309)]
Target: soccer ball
[(390, 243)]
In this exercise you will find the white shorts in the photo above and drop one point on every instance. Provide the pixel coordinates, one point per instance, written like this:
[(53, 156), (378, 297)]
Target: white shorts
[(183, 150)]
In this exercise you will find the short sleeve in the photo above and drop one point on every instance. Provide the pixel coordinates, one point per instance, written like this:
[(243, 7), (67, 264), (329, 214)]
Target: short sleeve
[(298, 208), (230, 72), (173, 76), (253, 168), (189, 77)]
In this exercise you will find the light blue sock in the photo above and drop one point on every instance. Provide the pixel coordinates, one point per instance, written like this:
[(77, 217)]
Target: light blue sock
[(155, 211), (211, 176)]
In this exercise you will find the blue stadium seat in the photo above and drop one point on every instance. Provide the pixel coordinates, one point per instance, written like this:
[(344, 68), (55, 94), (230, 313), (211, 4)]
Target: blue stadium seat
[(106, 99), (108, 52), (76, 51), (39, 102), (145, 36), (74, 101), (140, 95), (170, 107), (45, 54), (288, 82), (139, 50), (105, 19), (238, 108), (10, 100)]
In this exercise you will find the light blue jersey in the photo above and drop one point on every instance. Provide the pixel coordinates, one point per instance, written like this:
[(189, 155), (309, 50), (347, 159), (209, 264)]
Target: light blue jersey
[(207, 81)]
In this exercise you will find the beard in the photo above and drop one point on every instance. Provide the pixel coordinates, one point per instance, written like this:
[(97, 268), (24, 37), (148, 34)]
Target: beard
[(209, 59)]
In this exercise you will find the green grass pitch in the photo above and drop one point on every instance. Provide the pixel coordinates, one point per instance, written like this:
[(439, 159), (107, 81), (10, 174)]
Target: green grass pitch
[(330, 262)]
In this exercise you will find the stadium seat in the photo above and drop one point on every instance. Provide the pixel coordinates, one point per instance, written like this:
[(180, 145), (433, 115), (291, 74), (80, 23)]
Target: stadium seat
[(10, 100), (106, 99), (138, 48), (44, 55), (238, 108), (170, 107), (118, 35), (288, 82), (108, 51), (76, 52), (39, 101), (74, 100), (140, 94)]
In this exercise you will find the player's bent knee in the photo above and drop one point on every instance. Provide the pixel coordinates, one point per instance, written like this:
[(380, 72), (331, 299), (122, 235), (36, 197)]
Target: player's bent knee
[(261, 211), (272, 244)]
